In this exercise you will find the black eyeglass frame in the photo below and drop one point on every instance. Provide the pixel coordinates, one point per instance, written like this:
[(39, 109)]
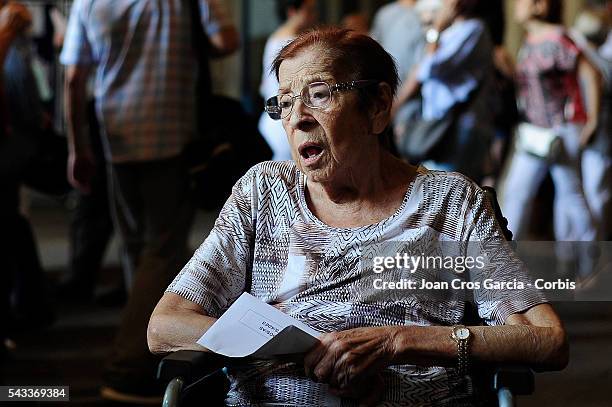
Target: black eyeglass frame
[(274, 110)]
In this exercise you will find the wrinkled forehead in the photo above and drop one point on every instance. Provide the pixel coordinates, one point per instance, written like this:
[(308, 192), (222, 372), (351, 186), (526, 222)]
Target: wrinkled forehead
[(310, 65)]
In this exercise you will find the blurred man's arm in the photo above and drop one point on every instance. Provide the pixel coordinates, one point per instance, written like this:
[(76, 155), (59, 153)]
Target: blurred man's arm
[(591, 81), (59, 27), (226, 40), (80, 158)]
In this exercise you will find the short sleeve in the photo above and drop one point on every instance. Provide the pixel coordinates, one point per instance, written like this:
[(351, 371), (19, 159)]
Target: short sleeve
[(76, 49), (485, 238), (216, 274)]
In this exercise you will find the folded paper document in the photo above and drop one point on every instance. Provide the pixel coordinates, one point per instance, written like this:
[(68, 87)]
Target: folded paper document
[(251, 327)]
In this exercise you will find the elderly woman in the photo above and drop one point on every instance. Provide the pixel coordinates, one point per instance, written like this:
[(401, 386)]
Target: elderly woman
[(292, 233)]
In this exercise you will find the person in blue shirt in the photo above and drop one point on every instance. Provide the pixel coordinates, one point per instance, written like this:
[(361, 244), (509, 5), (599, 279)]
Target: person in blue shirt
[(457, 69)]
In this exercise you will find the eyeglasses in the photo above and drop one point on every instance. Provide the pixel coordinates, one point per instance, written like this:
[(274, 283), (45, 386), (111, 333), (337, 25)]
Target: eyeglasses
[(316, 95)]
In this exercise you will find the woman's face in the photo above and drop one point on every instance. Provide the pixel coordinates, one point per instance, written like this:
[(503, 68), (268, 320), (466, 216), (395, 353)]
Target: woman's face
[(523, 10), (325, 143)]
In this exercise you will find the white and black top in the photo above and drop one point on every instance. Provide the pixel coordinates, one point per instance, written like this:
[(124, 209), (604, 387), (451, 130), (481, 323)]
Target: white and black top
[(267, 241)]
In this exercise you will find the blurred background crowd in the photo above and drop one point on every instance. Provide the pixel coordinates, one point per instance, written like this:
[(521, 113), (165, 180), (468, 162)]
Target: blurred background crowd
[(515, 94)]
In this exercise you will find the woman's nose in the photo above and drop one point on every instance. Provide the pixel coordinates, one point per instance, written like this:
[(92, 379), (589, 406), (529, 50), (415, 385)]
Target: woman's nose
[(297, 112)]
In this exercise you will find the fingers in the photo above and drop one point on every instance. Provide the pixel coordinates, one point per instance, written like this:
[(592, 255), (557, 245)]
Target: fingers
[(324, 363), (345, 360), (318, 362), (340, 362), (351, 368)]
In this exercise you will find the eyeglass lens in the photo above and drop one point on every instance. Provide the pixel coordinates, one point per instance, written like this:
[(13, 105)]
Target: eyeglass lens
[(315, 95)]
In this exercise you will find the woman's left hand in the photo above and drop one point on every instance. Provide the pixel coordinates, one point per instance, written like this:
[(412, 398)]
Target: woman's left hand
[(344, 359)]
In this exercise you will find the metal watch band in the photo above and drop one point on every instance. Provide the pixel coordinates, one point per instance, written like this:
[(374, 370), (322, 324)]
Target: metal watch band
[(461, 334), (462, 357)]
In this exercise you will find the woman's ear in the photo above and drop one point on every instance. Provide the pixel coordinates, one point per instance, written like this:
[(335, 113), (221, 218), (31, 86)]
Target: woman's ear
[(380, 112)]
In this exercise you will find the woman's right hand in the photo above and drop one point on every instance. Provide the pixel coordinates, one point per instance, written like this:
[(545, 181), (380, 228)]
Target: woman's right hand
[(14, 19), (351, 361)]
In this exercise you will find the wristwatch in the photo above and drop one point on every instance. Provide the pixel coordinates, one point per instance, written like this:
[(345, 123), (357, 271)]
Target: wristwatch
[(462, 335), (432, 36)]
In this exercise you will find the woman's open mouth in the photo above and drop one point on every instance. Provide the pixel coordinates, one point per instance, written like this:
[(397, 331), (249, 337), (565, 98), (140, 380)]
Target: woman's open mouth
[(310, 152)]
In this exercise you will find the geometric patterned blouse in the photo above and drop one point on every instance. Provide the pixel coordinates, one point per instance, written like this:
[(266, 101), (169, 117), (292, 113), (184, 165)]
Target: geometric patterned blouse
[(267, 241)]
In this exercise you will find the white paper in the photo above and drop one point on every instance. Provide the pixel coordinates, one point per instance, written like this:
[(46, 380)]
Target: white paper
[(251, 327), (293, 278)]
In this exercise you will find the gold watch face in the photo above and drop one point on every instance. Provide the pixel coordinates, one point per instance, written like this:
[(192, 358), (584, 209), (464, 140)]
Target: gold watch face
[(462, 333)]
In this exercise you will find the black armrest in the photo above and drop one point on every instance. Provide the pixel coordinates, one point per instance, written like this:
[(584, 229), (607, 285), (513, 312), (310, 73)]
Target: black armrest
[(189, 365), (518, 379)]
